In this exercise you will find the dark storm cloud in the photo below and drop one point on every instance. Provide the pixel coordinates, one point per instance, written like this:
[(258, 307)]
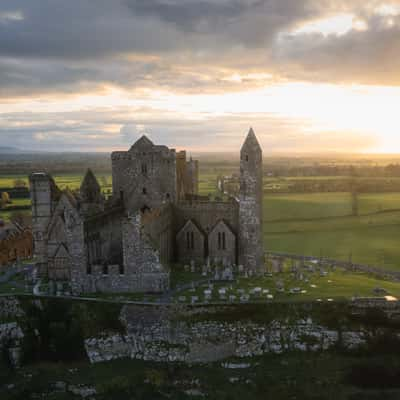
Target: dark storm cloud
[(80, 29), (67, 46), (88, 28), (371, 56), (249, 22)]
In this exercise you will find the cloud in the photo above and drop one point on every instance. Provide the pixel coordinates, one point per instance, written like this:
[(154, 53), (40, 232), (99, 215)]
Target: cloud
[(370, 56), (118, 129), (65, 50), (186, 45)]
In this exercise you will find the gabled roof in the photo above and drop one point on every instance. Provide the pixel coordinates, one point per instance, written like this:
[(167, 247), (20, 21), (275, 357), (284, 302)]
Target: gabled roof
[(142, 143), (223, 222), (67, 200), (191, 222), (61, 252), (70, 197)]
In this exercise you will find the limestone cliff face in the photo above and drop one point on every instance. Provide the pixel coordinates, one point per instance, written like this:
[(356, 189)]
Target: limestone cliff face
[(210, 341), (104, 331)]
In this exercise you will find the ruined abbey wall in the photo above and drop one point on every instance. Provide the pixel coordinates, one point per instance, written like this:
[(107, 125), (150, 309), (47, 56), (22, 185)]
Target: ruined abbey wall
[(159, 226), (207, 213), (144, 176)]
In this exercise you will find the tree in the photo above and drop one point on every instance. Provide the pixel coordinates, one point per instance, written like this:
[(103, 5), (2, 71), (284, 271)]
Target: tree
[(5, 199), (19, 183)]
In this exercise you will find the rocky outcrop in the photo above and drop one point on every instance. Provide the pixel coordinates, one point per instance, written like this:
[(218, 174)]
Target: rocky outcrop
[(162, 339), (10, 332), (10, 308)]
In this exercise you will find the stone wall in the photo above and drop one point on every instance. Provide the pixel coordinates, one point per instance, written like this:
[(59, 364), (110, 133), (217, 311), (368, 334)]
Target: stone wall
[(44, 193), (190, 244), (157, 335), (141, 271), (141, 256), (200, 334), (105, 231), (10, 333), (10, 308), (207, 213), (222, 244), (145, 175), (159, 226)]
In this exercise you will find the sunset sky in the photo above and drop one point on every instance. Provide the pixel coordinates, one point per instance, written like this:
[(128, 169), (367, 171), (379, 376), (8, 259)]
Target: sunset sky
[(93, 75)]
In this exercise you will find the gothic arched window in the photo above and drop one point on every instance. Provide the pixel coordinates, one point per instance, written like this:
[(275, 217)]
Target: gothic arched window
[(190, 240)]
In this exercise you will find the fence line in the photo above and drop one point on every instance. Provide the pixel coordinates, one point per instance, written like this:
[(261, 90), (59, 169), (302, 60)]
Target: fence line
[(379, 271)]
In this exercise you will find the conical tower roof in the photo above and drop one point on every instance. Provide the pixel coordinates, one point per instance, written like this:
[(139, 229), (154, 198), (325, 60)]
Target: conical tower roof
[(141, 143), (251, 141)]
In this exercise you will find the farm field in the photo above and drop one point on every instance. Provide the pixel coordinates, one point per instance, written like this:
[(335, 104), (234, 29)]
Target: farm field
[(321, 224), (303, 223), (71, 181)]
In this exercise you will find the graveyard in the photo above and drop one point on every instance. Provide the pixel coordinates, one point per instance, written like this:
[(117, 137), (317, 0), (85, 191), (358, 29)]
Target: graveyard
[(283, 281)]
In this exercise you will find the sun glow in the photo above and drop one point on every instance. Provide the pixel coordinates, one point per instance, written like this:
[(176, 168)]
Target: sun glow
[(313, 109), (335, 25)]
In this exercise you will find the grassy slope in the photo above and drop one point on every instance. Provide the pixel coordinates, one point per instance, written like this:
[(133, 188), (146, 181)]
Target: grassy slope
[(337, 285), (288, 376)]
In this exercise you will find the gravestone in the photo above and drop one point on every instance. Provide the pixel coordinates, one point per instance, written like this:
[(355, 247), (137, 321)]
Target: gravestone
[(59, 289), (217, 275), (280, 286), (227, 274)]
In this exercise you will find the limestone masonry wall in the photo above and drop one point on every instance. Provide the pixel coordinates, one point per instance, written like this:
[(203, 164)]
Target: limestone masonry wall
[(200, 334)]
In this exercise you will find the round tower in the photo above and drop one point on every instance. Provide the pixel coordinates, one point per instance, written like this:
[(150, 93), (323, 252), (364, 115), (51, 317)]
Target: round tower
[(251, 253)]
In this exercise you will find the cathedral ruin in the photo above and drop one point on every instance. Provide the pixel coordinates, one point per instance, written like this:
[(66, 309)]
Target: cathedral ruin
[(154, 218)]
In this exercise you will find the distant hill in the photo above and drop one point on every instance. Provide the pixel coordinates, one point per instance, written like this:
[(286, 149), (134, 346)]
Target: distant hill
[(9, 150)]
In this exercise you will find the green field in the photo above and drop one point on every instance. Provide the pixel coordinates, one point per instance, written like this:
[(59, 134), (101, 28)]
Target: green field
[(72, 181), (321, 224), (311, 224)]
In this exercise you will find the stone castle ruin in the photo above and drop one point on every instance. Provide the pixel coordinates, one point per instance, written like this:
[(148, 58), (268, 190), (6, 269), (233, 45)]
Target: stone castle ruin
[(154, 218)]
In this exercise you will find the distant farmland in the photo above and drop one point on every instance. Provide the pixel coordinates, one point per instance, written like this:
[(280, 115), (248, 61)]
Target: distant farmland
[(304, 223)]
